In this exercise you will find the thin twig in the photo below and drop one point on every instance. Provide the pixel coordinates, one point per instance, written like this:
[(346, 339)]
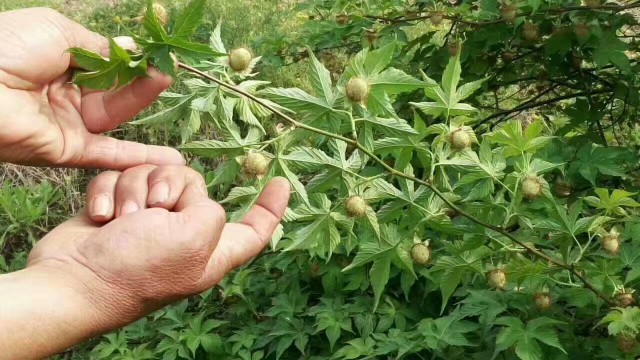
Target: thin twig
[(400, 174), (613, 8), (538, 104)]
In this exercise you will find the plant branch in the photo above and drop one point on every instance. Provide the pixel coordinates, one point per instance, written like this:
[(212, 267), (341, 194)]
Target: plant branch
[(613, 8), (400, 174), (538, 104)]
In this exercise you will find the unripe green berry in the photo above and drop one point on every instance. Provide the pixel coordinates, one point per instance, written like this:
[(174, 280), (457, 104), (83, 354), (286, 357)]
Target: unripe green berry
[(421, 254), (508, 13), (530, 31), (531, 187), (255, 164), (460, 139), (625, 299), (626, 343), (611, 242), (356, 207), (240, 59), (161, 13), (357, 89), (542, 301), (497, 279), (436, 18)]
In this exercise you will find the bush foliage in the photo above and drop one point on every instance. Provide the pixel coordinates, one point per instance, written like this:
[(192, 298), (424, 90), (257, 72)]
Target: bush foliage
[(464, 178)]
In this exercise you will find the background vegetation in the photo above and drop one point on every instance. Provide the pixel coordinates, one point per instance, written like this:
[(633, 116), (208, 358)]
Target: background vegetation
[(477, 198)]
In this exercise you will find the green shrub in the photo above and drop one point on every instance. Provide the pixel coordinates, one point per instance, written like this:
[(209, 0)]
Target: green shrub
[(489, 133)]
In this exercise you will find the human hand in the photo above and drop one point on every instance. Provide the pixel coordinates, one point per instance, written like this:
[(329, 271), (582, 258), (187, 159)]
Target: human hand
[(150, 236), (46, 120)]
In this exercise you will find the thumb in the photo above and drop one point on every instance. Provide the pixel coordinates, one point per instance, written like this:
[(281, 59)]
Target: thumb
[(104, 152)]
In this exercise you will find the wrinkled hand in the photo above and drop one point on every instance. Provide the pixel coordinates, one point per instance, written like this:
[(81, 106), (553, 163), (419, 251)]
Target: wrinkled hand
[(150, 236), (44, 119)]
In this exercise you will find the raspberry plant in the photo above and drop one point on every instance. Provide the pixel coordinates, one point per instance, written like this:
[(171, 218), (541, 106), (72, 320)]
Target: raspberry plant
[(457, 191)]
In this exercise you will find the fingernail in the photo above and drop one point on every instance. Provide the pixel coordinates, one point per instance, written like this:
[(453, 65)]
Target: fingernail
[(159, 193), (129, 207), (101, 205)]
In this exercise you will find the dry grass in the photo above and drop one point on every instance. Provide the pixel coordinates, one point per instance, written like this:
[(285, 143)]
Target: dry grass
[(71, 181)]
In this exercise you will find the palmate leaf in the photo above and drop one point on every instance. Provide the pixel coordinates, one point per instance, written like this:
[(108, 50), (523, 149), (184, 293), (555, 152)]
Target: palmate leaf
[(446, 96), (568, 221), (593, 160), (297, 100), (117, 71), (452, 268), (189, 19), (178, 107), (381, 254), (446, 331), (527, 338), (215, 41), (613, 203), (122, 68), (297, 186), (612, 50), (622, 320), (517, 141), (392, 127), (153, 25), (320, 79)]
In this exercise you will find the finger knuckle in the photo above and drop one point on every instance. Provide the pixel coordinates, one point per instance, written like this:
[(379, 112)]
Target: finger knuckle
[(103, 179), (219, 213)]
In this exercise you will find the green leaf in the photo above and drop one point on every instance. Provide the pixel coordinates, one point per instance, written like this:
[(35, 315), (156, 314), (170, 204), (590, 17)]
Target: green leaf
[(118, 71), (611, 50), (451, 76), (294, 181), (517, 141), (215, 41), (379, 275), (622, 320), (297, 100), (190, 126), (527, 339), (452, 268), (592, 160), (613, 203), (88, 60), (153, 25), (393, 81), (446, 331), (213, 148), (189, 19), (391, 127), (320, 79), (190, 49)]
